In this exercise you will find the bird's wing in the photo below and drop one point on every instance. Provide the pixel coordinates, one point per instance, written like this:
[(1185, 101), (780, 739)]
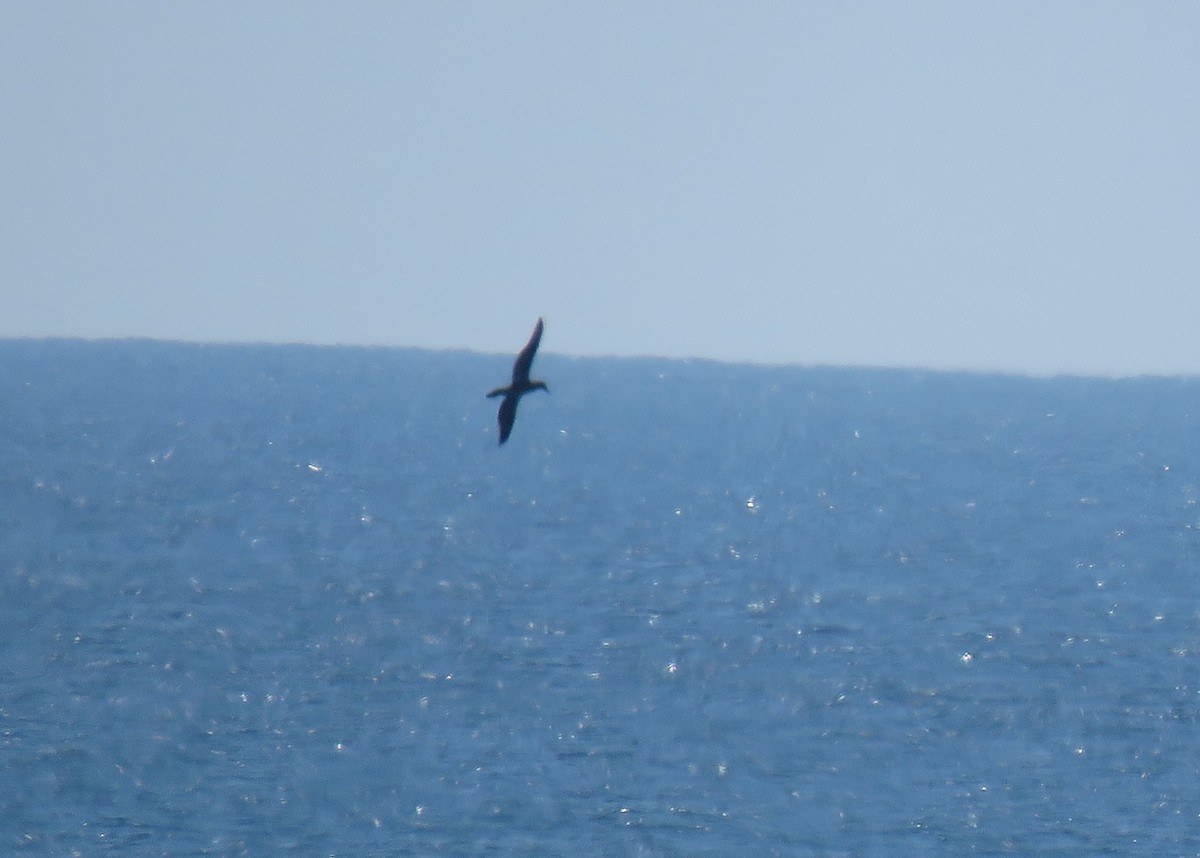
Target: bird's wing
[(506, 416), (525, 359)]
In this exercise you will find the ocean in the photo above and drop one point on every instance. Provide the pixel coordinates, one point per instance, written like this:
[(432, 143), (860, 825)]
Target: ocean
[(289, 600)]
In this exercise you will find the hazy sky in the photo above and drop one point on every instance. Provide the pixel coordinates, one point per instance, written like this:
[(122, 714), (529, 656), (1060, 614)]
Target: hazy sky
[(1010, 185)]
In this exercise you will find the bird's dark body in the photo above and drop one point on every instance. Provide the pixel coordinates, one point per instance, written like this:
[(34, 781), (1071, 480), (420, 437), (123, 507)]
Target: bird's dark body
[(521, 384)]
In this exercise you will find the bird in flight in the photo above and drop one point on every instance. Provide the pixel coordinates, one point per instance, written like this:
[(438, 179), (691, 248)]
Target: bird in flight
[(521, 384)]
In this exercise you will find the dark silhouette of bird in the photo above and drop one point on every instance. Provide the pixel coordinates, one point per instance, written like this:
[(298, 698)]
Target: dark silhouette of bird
[(521, 384)]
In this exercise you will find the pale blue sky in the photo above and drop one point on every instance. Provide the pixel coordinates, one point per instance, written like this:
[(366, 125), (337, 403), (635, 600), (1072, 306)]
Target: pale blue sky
[(1002, 186)]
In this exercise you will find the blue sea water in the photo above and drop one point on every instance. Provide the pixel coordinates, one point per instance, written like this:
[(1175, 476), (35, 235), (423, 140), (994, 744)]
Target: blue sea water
[(268, 600)]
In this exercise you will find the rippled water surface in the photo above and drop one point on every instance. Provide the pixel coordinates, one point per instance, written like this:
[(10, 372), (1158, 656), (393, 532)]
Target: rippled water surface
[(283, 600)]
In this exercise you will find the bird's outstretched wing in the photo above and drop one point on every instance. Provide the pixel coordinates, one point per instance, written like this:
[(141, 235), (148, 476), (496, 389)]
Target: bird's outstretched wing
[(525, 359), (506, 416)]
